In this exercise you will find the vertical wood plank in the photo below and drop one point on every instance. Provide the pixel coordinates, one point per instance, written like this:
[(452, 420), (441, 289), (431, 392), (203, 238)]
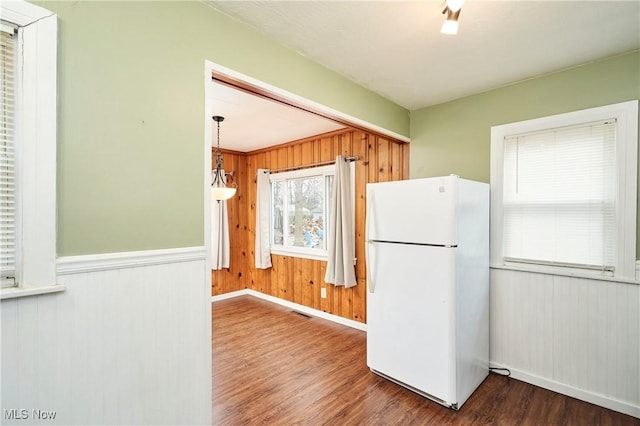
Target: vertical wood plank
[(295, 155), (260, 280), (316, 150), (360, 301), (383, 160), (306, 272), (406, 149), (395, 166), (326, 149), (346, 308), (297, 273), (372, 158), (306, 152), (278, 276), (282, 157), (336, 299), (359, 146)]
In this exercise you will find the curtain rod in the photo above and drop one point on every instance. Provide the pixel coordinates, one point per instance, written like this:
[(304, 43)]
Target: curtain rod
[(307, 166)]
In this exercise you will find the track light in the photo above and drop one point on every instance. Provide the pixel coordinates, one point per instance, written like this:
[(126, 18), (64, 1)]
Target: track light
[(455, 5), (452, 9)]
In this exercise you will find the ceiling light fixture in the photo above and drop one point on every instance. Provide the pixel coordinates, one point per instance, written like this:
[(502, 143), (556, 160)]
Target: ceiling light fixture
[(455, 5), (219, 189), (452, 9)]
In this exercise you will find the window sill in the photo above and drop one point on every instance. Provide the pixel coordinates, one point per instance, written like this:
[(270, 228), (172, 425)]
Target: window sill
[(564, 273), (301, 254), (14, 292)]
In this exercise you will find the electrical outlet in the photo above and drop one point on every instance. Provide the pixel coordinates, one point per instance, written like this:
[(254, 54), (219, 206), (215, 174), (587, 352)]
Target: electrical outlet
[(323, 292)]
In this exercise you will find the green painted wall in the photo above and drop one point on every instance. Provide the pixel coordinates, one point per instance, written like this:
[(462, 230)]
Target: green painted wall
[(455, 137), (131, 103), (131, 108)]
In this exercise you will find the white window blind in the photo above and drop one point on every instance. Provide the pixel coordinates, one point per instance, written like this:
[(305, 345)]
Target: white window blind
[(559, 196), (7, 158)]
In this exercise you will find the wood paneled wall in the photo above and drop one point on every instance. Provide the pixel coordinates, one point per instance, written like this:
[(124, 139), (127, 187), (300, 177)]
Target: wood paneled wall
[(241, 245), (291, 278)]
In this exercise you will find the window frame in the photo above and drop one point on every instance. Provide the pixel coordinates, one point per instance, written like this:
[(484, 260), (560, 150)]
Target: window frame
[(626, 114), (36, 138), (304, 252)]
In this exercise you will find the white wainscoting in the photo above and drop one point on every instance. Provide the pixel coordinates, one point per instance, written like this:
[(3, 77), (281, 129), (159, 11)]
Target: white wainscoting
[(128, 342), (576, 336)]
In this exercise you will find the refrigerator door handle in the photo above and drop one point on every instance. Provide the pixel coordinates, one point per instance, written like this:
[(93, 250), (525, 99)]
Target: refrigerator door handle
[(369, 221), (368, 253)]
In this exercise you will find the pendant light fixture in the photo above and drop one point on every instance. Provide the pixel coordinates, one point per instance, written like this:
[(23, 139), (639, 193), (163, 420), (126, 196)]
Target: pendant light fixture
[(219, 189), (452, 9)]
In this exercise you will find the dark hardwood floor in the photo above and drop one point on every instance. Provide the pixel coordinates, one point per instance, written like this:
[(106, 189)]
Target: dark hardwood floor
[(273, 366)]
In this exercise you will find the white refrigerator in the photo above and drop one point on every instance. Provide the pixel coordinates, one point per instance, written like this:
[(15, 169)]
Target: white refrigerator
[(427, 256)]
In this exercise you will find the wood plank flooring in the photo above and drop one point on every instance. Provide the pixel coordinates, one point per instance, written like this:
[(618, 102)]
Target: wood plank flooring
[(273, 366)]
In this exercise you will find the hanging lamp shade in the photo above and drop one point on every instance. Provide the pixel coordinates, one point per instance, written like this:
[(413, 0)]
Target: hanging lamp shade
[(219, 189), (220, 193)]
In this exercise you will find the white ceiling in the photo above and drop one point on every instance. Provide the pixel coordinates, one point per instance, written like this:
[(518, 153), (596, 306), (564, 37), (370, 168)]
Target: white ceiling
[(253, 122), (395, 48)]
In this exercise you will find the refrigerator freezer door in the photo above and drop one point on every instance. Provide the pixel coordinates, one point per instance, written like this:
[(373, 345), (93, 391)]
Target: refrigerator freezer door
[(421, 211), (411, 316)]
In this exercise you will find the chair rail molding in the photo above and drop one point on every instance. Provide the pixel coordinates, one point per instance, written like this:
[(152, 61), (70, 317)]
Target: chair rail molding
[(104, 262)]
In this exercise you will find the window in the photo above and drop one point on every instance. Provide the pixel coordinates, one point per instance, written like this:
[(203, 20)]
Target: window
[(35, 150), (564, 192), (300, 204), (7, 156)]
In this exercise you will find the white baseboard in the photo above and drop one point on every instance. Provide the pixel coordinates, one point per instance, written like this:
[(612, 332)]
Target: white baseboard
[(581, 394), (229, 295), (294, 306)]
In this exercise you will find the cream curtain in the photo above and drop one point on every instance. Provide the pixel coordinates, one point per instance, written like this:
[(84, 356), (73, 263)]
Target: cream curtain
[(340, 244), (262, 249), (220, 252)]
